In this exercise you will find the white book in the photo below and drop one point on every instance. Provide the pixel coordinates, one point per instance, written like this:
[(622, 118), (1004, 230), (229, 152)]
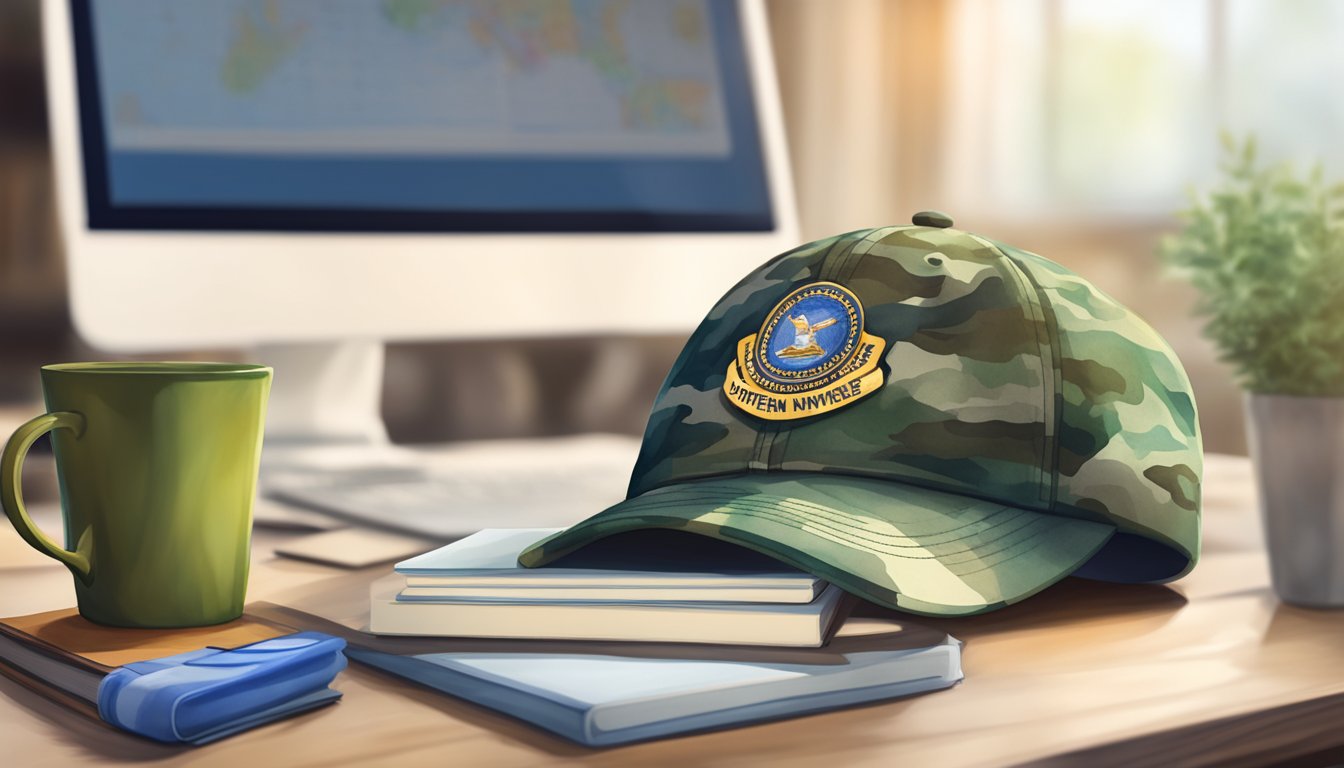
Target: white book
[(779, 624), (620, 594), (488, 560)]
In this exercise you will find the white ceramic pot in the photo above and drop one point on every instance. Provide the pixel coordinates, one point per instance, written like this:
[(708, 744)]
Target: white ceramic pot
[(1297, 444)]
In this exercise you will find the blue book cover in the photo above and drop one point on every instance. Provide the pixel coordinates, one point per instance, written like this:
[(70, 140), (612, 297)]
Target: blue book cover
[(608, 698), (205, 695)]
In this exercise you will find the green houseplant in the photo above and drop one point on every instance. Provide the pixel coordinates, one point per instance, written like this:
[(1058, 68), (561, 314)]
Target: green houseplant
[(1265, 249)]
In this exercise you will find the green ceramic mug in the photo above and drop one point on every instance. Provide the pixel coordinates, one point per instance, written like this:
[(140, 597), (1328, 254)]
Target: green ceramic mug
[(157, 464)]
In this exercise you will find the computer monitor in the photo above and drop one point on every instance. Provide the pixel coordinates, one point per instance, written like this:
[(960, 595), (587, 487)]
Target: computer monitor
[(323, 176)]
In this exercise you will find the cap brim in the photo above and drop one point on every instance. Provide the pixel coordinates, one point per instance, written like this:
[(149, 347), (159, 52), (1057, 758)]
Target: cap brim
[(898, 545)]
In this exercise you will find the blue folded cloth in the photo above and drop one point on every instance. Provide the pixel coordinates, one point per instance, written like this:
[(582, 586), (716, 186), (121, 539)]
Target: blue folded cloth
[(205, 695)]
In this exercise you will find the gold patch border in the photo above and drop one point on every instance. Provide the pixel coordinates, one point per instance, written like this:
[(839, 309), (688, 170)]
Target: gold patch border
[(869, 374), (772, 320)]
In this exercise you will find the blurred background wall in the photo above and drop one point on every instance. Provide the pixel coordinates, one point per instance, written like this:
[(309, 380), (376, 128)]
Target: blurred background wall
[(1073, 128)]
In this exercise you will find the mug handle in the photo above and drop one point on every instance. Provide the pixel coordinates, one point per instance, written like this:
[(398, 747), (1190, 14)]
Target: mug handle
[(11, 489)]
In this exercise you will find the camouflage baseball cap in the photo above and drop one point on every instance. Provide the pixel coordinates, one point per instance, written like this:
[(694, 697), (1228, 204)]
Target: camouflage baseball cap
[(931, 420)]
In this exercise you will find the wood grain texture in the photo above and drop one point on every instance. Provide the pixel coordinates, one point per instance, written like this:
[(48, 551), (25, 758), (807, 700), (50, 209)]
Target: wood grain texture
[(1210, 670)]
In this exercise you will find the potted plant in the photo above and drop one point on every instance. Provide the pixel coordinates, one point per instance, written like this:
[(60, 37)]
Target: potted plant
[(1265, 249)]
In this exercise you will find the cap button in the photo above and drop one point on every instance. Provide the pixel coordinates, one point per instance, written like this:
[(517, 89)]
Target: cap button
[(932, 219)]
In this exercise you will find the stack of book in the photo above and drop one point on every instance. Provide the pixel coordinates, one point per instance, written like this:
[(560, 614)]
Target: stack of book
[(475, 588), (688, 644)]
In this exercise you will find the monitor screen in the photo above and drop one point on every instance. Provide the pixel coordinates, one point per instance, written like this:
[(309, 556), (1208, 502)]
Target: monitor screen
[(419, 115)]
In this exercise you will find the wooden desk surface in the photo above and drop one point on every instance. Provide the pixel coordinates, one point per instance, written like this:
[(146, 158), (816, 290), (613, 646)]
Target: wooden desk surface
[(1210, 670)]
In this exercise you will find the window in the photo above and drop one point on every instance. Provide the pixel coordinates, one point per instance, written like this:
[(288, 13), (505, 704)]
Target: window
[(1113, 109)]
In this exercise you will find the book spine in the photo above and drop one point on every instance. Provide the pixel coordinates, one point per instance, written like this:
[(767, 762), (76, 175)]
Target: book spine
[(43, 688), (541, 579), (597, 622), (609, 594)]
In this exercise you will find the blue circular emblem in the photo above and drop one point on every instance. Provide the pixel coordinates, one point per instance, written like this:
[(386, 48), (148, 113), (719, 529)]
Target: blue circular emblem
[(808, 336)]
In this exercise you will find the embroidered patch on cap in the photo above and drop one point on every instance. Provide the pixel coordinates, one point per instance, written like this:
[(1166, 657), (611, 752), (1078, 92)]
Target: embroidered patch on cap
[(810, 356)]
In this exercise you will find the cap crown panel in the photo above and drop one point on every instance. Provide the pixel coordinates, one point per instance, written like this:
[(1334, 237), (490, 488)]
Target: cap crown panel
[(1129, 445)]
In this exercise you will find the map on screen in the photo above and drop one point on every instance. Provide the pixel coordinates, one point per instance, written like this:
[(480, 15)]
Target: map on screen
[(508, 77)]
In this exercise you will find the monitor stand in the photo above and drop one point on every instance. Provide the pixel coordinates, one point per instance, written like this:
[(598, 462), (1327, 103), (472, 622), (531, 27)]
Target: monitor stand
[(324, 394), (325, 412)]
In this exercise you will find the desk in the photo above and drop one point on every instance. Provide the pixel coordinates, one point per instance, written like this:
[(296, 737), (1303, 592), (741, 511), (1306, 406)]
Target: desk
[(1210, 670)]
